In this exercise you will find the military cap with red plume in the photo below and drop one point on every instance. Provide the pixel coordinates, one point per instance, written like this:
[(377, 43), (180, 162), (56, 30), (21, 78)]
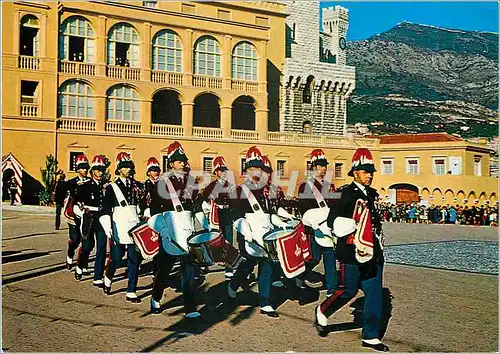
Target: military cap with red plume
[(318, 157), (98, 163), (82, 161), (362, 160), (176, 153), (123, 160), (253, 158), (267, 164), (153, 165), (219, 164)]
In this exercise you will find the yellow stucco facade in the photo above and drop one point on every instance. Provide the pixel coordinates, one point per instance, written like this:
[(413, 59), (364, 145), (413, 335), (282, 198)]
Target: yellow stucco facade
[(39, 73)]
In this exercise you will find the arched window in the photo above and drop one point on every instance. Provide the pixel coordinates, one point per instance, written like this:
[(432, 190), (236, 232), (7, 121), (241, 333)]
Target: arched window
[(244, 62), (29, 40), (76, 40), (123, 104), (207, 57), (306, 95), (123, 46), (167, 51), (76, 100)]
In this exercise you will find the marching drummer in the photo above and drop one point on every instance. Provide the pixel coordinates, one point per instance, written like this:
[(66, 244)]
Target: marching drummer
[(251, 204), (181, 199), (153, 172), (82, 169), (361, 253), (216, 203), (89, 198), (316, 195), (280, 201), (120, 201)]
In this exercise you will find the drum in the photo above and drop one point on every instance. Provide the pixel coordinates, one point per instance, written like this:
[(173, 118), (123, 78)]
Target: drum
[(146, 240), (209, 248), (271, 241), (292, 252), (180, 226), (199, 248)]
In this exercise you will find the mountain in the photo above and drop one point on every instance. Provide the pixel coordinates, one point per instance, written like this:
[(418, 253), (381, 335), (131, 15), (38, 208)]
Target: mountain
[(423, 78)]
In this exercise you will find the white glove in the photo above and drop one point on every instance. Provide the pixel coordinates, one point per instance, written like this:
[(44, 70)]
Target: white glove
[(78, 211), (147, 213), (284, 214), (314, 225), (105, 221), (276, 221), (205, 207)]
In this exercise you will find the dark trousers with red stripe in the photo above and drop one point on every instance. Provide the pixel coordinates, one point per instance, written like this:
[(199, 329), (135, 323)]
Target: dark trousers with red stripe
[(372, 288), (74, 239), (165, 262)]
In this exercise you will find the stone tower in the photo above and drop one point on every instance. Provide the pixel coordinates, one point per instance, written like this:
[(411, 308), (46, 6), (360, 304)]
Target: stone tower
[(315, 91), (336, 23)]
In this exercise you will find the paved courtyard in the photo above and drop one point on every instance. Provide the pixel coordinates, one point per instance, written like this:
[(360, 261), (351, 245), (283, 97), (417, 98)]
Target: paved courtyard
[(440, 296)]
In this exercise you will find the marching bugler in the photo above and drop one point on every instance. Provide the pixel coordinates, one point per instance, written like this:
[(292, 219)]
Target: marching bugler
[(358, 228), (82, 168), (171, 207), (120, 214), (89, 200)]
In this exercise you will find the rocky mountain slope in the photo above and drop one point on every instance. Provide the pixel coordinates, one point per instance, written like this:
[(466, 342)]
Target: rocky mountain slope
[(418, 78)]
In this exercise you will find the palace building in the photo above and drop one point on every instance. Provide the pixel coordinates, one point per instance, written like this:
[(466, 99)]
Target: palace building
[(102, 77)]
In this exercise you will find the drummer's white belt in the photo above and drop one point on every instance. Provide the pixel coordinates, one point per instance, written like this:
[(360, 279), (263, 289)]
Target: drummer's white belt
[(317, 194), (173, 196), (259, 221), (91, 208)]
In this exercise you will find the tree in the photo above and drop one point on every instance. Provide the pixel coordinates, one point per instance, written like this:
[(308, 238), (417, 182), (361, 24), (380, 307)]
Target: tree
[(48, 180)]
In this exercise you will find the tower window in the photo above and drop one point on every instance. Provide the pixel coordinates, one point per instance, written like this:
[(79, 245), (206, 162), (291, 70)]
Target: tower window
[(307, 127), (307, 94)]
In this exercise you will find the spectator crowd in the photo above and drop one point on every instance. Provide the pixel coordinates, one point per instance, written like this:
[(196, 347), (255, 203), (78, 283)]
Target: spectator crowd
[(414, 213)]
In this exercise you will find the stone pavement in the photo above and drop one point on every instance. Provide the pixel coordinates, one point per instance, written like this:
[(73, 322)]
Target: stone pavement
[(45, 309)]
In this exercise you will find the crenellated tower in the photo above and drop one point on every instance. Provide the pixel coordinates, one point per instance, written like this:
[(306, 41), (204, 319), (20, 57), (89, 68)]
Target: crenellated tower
[(336, 23)]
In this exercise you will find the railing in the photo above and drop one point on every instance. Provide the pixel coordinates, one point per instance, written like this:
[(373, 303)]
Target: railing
[(123, 73), (337, 141), (207, 81), (29, 63), (165, 77), (76, 68), (244, 135), (366, 142), (123, 127), (29, 109), (75, 124), (242, 85), (280, 137), (210, 133), (309, 139), (167, 130)]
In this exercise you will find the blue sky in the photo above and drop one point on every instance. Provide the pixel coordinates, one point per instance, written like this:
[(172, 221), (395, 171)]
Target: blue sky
[(369, 18)]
